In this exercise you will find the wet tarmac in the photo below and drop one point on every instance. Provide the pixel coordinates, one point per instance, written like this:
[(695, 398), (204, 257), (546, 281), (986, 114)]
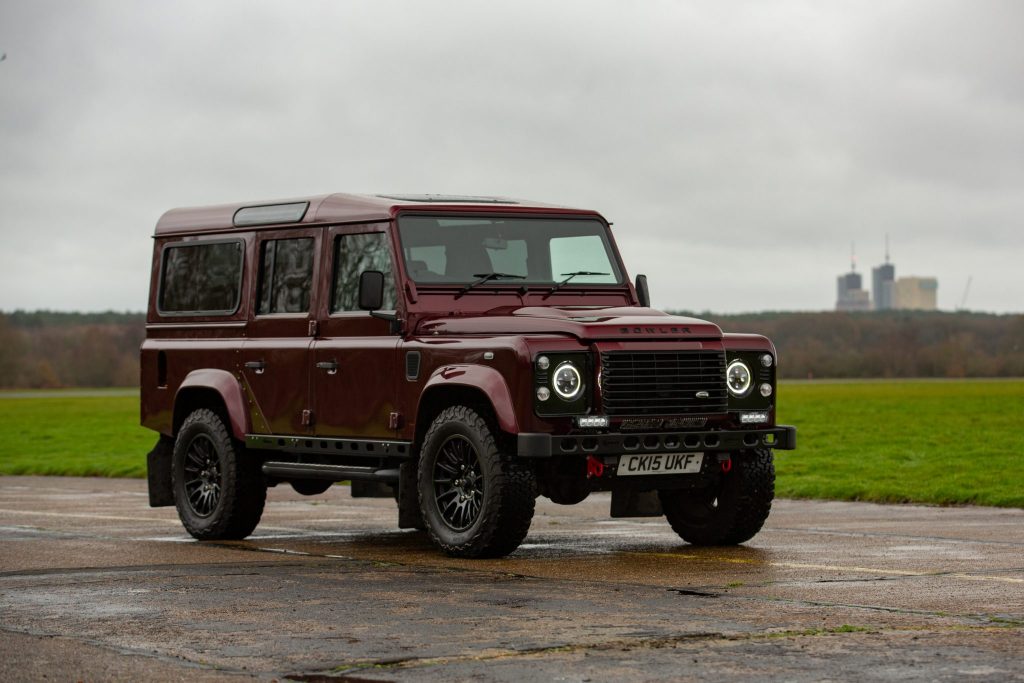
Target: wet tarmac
[(95, 585)]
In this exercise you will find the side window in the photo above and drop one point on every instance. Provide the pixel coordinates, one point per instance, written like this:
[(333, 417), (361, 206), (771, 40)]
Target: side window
[(201, 278), (286, 276), (354, 254)]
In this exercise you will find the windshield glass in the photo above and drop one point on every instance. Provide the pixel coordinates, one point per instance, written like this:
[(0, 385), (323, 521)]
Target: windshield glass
[(543, 251)]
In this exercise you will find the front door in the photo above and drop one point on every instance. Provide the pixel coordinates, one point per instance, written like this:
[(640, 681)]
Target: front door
[(275, 358), (355, 354)]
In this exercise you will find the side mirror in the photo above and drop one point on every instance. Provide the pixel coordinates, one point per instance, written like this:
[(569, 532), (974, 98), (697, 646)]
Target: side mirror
[(642, 293), (371, 290)]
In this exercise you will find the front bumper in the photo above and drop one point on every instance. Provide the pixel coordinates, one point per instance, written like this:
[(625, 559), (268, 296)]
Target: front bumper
[(781, 437)]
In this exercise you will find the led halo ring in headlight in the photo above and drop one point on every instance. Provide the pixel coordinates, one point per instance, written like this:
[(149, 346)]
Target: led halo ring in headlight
[(567, 381), (738, 378)]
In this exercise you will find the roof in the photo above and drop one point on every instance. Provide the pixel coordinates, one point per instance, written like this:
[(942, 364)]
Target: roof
[(343, 208)]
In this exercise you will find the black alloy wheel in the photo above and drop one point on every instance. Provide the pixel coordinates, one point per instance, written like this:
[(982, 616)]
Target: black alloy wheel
[(218, 485), (202, 478), (458, 484), (476, 498)]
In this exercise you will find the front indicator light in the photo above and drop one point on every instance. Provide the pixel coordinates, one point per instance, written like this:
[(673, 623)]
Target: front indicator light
[(766, 390), (766, 360), (543, 393)]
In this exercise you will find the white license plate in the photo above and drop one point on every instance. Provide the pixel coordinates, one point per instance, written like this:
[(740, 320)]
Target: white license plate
[(660, 463)]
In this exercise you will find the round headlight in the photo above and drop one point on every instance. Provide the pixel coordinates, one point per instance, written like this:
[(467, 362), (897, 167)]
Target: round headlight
[(567, 382), (738, 378), (766, 360)]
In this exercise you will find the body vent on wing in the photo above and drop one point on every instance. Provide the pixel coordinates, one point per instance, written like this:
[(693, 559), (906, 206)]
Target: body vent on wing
[(412, 365)]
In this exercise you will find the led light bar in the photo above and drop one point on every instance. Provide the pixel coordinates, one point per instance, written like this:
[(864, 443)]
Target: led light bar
[(592, 421), (754, 417)]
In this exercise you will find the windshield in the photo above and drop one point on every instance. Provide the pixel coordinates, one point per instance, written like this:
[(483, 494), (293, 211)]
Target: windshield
[(542, 251)]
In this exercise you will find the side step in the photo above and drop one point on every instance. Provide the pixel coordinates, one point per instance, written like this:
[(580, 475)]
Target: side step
[(294, 470)]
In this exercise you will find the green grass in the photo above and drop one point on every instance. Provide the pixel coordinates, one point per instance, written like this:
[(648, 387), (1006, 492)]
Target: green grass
[(923, 441), (914, 441), (69, 433)]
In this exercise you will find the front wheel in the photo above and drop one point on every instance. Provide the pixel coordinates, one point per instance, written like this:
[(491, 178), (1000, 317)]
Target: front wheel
[(218, 491), (476, 500), (729, 512)]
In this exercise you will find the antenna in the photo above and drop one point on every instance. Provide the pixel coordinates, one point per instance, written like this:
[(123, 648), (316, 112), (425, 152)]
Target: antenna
[(887, 247), (853, 257)]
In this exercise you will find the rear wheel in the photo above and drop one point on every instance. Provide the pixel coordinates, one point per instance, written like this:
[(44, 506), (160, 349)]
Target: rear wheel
[(476, 501), (219, 493), (729, 512)]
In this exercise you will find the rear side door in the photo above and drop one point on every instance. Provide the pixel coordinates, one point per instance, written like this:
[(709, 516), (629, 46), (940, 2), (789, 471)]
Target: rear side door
[(275, 358), (355, 355)]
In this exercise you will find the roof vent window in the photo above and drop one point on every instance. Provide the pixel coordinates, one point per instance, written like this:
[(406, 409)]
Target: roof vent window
[(270, 214)]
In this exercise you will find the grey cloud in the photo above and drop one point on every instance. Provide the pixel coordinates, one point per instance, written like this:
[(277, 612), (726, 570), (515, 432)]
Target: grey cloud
[(712, 134)]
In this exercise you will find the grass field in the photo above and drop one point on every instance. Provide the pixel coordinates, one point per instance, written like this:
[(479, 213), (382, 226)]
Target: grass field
[(928, 442), (82, 433), (914, 441)]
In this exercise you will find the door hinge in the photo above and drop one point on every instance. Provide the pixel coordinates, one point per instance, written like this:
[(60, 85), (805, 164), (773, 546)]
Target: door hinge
[(314, 328), (395, 421), (307, 418)]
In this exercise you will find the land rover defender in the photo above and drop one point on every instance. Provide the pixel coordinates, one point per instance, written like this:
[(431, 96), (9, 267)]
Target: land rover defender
[(460, 354)]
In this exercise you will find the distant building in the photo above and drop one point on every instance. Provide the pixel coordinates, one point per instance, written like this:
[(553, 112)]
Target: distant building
[(908, 293), (850, 295), (883, 279), (915, 293)]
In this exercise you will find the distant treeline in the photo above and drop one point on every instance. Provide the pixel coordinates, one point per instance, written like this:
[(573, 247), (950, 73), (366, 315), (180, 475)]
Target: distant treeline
[(888, 343), (47, 349)]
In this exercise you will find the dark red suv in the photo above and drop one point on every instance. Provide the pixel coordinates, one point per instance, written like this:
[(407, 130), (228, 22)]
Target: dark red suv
[(461, 354)]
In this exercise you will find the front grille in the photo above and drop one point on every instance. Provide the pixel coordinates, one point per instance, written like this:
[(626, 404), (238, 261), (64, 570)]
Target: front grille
[(663, 383)]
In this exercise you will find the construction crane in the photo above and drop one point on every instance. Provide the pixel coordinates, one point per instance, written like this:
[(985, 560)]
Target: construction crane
[(963, 299)]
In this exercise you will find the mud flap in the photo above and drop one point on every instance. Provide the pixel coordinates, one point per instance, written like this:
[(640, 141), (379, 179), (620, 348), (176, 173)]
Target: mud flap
[(409, 516), (158, 473), (633, 503)]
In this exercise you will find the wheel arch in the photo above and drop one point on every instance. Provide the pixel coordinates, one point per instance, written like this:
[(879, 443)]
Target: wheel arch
[(216, 390), (474, 385)]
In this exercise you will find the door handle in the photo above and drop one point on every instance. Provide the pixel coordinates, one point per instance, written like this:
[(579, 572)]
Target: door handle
[(331, 366), (257, 366)]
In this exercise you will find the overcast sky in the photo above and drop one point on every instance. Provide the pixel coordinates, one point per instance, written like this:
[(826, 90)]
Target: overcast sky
[(739, 148)]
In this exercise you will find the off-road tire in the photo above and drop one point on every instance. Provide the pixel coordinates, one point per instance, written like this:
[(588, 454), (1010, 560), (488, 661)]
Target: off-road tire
[(241, 488), (508, 489), (732, 511)]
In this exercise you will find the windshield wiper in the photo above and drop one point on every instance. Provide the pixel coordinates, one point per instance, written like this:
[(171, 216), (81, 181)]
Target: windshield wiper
[(571, 276), (487, 277)]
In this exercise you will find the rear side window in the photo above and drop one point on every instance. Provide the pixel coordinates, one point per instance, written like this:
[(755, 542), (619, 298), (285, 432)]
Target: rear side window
[(286, 276), (354, 254), (201, 278)]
